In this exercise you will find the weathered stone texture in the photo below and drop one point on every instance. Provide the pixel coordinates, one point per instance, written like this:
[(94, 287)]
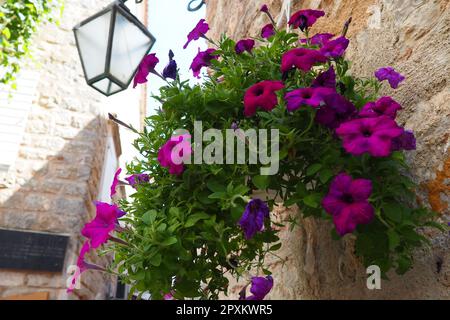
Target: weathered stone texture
[(414, 37)]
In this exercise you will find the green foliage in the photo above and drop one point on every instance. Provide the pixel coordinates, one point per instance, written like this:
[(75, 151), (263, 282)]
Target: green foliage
[(18, 22), (185, 237)]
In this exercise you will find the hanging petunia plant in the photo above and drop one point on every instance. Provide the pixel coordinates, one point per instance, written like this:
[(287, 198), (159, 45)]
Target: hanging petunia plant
[(191, 223)]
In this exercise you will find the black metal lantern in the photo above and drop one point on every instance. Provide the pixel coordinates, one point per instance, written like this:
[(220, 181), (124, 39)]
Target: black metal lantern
[(111, 44)]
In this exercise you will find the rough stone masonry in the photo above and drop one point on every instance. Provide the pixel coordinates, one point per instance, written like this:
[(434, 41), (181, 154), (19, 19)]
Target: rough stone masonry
[(413, 36)]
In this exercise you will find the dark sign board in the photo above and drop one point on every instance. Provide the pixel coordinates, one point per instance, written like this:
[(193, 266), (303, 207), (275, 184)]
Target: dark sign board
[(27, 250)]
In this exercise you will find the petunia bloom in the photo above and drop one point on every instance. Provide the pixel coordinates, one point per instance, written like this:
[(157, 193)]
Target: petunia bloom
[(115, 182), (383, 106), (244, 45), (170, 71), (406, 141), (326, 79), (347, 202), (105, 221), (175, 152), (261, 95), (313, 97), (203, 59), (301, 58), (267, 31), (136, 179), (318, 39), (335, 48), (252, 220), (372, 135), (264, 8), (199, 31), (304, 19), (389, 73), (260, 288), (146, 66), (335, 110)]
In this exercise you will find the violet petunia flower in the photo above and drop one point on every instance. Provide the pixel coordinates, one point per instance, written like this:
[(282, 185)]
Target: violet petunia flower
[(313, 97), (267, 31), (318, 39), (170, 71), (105, 221), (372, 135), (252, 220), (384, 106), (336, 110), (389, 73), (175, 152), (260, 288), (261, 95), (198, 32), (335, 48), (137, 179), (326, 79), (244, 45), (115, 182), (304, 19), (406, 141), (203, 59), (301, 58), (264, 8), (146, 66), (347, 202)]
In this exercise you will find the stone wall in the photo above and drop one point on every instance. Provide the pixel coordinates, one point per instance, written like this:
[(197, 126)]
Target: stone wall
[(414, 37), (56, 177)]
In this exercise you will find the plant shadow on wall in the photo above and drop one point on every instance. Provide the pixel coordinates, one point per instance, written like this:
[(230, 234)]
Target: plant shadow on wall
[(57, 197), (341, 159)]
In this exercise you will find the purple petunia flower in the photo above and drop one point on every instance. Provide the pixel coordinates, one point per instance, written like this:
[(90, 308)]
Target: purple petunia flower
[(136, 179), (304, 19), (203, 59), (372, 135), (260, 288), (146, 66), (244, 45), (326, 79), (174, 152), (389, 73), (406, 141), (384, 106), (313, 97), (347, 202), (198, 32), (335, 48), (267, 31), (170, 71), (115, 182), (318, 39), (252, 220), (301, 58), (264, 8), (336, 110)]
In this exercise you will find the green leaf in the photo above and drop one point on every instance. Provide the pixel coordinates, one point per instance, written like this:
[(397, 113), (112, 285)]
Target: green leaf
[(218, 195), (6, 33), (393, 211), (313, 169), (275, 247), (312, 200), (149, 217), (193, 219), (261, 182), (169, 241), (215, 186), (156, 260), (394, 239), (325, 175)]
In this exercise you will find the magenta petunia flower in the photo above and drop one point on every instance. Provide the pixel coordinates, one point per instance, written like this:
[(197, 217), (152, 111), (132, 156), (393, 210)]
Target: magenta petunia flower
[(198, 32), (347, 202), (318, 39), (264, 8), (244, 45), (146, 66), (301, 58), (203, 59), (115, 182), (304, 19), (136, 179), (313, 97), (105, 221), (267, 31), (252, 220), (335, 48), (326, 79), (175, 152), (384, 106), (406, 141), (389, 73), (372, 135), (170, 71), (261, 95), (260, 288), (335, 110)]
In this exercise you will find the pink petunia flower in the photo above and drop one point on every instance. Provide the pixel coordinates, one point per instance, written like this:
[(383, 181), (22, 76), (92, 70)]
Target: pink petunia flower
[(115, 182), (384, 106), (301, 58), (198, 32), (146, 66), (304, 19), (175, 152), (244, 45), (389, 74), (267, 31), (203, 59), (313, 97), (261, 95), (335, 48), (318, 39)]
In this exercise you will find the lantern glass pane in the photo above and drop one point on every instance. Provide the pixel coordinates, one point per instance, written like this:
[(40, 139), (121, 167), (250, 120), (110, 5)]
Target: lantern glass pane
[(130, 44), (92, 40), (102, 85)]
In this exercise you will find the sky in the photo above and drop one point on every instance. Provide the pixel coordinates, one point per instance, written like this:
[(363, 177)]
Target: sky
[(170, 22)]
